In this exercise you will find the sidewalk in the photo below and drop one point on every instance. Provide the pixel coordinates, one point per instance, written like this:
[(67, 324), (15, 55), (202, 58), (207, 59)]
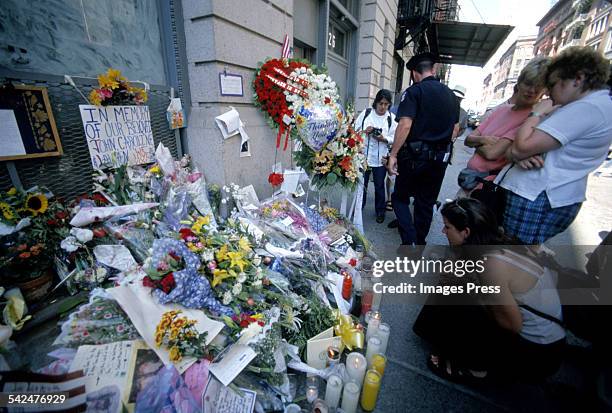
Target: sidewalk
[(409, 383)]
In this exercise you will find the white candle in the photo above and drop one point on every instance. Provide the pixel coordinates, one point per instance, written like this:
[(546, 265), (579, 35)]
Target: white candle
[(356, 365), (350, 397), (312, 394), (384, 331), (373, 325), (333, 391), (374, 346)]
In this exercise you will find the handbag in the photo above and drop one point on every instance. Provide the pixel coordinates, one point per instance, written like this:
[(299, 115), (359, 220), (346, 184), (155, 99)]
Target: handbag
[(492, 195)]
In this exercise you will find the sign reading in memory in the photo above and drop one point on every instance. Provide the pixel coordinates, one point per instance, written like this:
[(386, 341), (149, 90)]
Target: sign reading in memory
[(118, 135)]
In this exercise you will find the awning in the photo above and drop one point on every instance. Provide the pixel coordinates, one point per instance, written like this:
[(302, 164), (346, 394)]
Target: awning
[(464, 43)]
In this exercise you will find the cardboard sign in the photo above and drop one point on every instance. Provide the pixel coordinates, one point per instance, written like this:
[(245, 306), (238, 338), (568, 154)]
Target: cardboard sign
[(118, 135)]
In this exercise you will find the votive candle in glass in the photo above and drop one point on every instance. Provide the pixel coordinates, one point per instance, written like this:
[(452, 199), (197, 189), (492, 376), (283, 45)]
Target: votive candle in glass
[(371, 386), (373, 324), (333, 356), (312, 389), (383, 332), (379, 362), (347, 286), (333, 391), (372, 348), (350, 397), (356, 366)]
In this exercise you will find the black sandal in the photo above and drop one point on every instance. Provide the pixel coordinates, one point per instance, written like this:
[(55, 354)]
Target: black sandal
[(457, 374)]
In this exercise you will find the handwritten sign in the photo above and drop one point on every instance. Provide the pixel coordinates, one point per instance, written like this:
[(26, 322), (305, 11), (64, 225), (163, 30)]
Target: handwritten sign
[(118, 135)]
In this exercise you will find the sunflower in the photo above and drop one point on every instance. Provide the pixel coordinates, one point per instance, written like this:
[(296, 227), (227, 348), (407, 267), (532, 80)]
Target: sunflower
[(36, 204), (7, 211)]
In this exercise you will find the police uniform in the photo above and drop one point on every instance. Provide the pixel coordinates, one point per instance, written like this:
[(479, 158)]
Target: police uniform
[(423, 158)]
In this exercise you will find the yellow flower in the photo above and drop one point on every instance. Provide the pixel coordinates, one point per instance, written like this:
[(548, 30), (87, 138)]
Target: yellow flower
[(115, 74), (36, 204), (258, 316), (107, 82), (244, 244), (237, 260), (12, 191), (200, 222), (159, 337), (155, 170), (94, 98), (7, 211), (219, 275), (222, 253), (175, 354), (174, 332)]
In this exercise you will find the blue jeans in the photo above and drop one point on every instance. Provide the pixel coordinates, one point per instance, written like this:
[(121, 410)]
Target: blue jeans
[(379, 173)]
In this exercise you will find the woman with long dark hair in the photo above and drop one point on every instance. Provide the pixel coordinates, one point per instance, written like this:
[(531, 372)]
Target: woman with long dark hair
[(486, 335)]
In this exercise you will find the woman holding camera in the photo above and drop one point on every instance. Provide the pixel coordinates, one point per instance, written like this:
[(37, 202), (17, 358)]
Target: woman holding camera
[(379, 128)]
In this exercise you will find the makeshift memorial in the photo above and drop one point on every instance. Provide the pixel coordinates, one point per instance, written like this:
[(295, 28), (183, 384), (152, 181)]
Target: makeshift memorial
[(270, 271)]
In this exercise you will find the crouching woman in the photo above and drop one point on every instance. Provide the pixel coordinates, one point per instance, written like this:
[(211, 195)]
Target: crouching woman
[(492, 336)]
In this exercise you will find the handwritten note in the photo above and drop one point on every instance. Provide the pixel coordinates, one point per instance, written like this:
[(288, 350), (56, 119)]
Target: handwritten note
[(220, 399), (232, 362), (104, 364), (118, 135)]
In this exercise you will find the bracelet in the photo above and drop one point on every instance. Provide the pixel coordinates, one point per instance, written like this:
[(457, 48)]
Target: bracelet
[(535, 114)]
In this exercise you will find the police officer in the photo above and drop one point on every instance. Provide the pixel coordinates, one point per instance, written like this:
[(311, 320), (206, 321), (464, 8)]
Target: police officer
[(427, 117)]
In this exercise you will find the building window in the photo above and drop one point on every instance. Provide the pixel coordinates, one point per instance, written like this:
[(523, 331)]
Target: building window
[(302, 51), (336, 41), (609, 45)]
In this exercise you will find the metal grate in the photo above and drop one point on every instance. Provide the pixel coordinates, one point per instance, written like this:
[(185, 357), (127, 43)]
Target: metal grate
[(71, 174)]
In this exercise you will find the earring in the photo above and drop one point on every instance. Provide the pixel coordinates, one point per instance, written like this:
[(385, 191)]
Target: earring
[(575, 84)]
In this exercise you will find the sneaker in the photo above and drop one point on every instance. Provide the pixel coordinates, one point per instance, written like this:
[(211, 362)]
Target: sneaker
[(389, 206), (393, 224), (380, 219)]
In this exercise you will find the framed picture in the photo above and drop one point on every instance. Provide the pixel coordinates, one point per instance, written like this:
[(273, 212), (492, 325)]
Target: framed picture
[(230, 84), (27, 124)]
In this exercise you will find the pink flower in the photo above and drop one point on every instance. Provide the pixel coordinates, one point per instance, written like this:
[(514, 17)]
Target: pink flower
[(120, 328), (212, 265), (194, 177), (105, 93)]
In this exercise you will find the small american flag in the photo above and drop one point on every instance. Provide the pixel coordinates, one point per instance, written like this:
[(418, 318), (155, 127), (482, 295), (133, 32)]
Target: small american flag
[(286, 48)]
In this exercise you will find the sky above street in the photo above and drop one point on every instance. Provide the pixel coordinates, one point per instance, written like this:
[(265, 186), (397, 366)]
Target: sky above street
[(522, 14)]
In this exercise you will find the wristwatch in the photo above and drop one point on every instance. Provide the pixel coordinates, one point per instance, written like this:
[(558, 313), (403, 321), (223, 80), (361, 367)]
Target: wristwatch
[(535, 114)]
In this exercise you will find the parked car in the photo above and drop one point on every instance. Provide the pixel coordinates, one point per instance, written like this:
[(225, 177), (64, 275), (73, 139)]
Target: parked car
[(473, 120)]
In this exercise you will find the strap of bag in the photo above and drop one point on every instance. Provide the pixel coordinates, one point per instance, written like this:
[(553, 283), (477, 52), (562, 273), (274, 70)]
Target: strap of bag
[(389, 121), (367, 113), (542, 314)]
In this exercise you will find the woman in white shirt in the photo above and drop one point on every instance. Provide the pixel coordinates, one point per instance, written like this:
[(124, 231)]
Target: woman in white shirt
[(559, 145), (379, 127)]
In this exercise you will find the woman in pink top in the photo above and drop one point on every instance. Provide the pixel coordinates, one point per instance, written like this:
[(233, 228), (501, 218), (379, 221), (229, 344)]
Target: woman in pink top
[(495, 135)]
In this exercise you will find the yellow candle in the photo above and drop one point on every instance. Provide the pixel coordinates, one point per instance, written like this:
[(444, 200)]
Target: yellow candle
[(379, 362), (371, 385)]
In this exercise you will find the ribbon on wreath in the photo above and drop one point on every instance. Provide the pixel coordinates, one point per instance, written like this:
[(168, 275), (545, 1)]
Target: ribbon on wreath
[(295, 79), (287, 87), (348, 331)]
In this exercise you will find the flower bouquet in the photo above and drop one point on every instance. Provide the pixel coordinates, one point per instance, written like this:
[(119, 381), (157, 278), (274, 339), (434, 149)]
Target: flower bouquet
[(339, 162), (32, 226), (178, 334), (114, 89)]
